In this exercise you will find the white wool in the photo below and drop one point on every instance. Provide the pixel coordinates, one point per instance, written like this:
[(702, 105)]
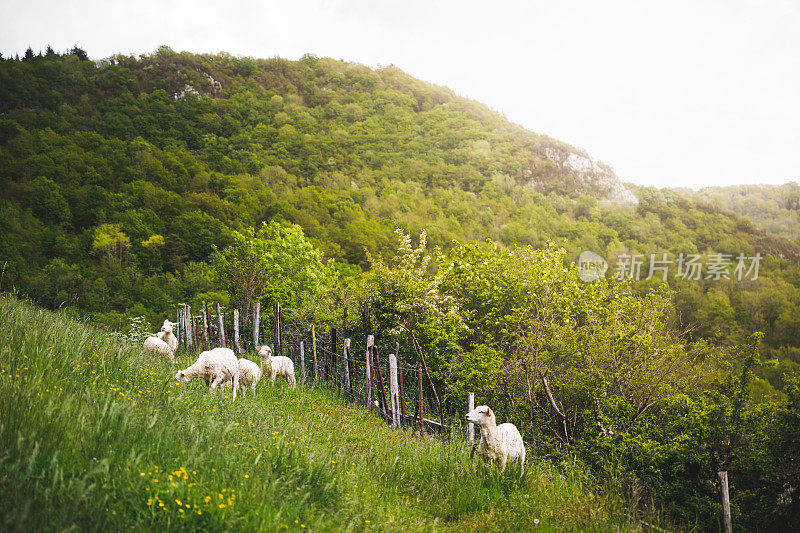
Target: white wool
[(158, 346), (249, 374), (276, 366), (218, 365), (503, 442), (167, 336)]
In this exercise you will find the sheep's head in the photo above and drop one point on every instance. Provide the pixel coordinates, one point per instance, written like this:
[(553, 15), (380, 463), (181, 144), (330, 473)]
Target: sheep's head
[(167, 327), (481, 415), (181, 376), (264, 351)]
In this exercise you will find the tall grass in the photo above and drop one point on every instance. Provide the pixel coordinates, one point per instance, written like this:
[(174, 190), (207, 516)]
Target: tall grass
[(93, 438)]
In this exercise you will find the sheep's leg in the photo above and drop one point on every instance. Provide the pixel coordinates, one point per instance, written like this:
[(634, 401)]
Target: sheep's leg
[(215, 382), (503, 461), (291, 381), (235, 386)]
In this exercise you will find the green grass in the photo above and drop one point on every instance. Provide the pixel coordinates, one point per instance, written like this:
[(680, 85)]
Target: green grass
[(92, 439)]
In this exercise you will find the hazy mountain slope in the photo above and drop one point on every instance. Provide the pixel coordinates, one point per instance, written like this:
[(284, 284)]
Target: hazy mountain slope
[(775, 208)]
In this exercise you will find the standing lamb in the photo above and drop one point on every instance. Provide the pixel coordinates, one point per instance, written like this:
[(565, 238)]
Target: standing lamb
[(249, 374), (501, 442), (167, 336), (218, 365), (276, 366)]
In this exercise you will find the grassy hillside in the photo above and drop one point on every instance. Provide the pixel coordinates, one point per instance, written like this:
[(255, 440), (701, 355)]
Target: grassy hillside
[(93, 439)]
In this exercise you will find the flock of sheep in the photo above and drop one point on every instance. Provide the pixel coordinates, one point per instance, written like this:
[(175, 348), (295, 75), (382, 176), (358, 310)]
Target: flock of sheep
[(220, 366)]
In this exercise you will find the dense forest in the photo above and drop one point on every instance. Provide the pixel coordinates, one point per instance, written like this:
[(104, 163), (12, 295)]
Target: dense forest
[(371, 200)]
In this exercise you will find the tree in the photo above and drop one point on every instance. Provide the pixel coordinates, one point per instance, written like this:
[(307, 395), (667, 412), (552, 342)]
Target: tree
[(111, 242), (43, 196), (406, 297), (277, 263), (79, 53), (242, 268)]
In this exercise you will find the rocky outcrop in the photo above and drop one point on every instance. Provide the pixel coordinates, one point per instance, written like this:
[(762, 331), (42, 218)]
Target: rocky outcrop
[(571, 170)]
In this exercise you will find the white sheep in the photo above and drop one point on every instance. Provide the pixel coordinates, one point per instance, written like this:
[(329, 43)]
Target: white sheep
[(276, 366), (167, 336), (217, 365), (158, 346), (501, 442), (249, 374)]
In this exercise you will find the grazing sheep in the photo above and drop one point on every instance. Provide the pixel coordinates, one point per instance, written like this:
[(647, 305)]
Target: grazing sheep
[(276, 366), (158, 346), (249, 374), (218, 365), (501, 442), (167, 336)]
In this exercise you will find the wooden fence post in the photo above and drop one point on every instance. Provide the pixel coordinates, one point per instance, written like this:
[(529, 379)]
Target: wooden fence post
[(256, 318), (220, 326), (236, 331), (330, 362), (196, 334), (471, 406), (368, 367), (303, 359), (726, 501), (187, 321), (348, 368), (419, 398), (394, 390), (380, 387), (314, 348), (179, 325), (187, 317), (205, 326), (208, 324)]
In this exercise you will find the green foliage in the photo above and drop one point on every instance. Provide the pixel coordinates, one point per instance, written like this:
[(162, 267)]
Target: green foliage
[(44, 197), (277, 263), (93, 439), (122, 195)]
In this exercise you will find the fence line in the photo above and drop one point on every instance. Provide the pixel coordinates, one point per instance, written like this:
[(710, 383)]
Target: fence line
[(379, 379)]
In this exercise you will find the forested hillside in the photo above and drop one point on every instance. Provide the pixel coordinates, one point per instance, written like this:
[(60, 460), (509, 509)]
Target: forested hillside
[(775, 208), (364, 199)]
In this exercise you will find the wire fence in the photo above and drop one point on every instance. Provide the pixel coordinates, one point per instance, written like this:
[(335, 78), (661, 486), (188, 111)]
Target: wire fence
[(360, 370)]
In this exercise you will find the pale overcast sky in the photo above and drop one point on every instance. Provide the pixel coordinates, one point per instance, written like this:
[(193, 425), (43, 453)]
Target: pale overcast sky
[(682, 93)]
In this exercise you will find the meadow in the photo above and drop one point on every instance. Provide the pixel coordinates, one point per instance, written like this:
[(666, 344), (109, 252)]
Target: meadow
[(96, 436)]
